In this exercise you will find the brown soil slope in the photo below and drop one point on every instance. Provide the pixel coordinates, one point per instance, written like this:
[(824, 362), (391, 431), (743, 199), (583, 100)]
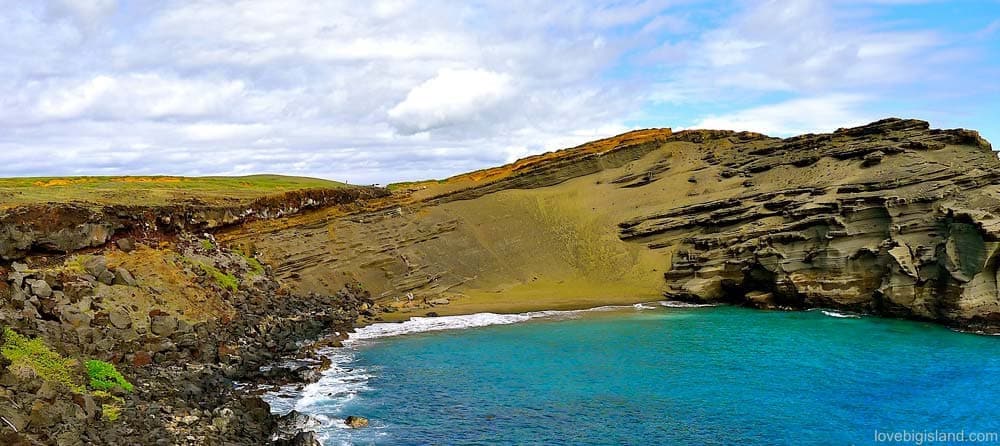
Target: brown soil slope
[(892, 218)]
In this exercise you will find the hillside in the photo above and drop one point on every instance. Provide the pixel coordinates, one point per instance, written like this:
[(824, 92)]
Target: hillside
[(151, 190), (62, 215), (892, 218)]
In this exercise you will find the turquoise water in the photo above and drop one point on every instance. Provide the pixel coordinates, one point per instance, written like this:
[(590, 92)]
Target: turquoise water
[(717, 375)]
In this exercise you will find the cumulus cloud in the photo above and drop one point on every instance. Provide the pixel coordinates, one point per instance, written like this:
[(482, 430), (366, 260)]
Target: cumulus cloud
[(796, 116), (450, 97), (402, 89), (137, 96)]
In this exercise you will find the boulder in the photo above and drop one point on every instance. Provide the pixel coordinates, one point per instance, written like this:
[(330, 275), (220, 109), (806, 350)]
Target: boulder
[(87, 403), (107, 278), (873, 158), (163, 325), (120, 318), (125, 244), (124, 277), (15, 278), (78, 289), (40, 288), (300, 439), (439, 301), (356, 422), (95, 266), (19, 267), (43, 415)]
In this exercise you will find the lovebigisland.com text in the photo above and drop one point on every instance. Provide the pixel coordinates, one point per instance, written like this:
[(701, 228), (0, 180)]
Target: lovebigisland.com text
[(922, 437)]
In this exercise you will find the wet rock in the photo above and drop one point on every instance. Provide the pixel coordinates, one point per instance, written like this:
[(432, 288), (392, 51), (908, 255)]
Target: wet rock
[(356, 422), (300, 439)]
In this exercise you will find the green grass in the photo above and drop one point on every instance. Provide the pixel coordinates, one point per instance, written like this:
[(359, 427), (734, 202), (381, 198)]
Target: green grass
[(153, 190), (256, 268), (224, 280), (34, 355), (104, 376), (207, 245)]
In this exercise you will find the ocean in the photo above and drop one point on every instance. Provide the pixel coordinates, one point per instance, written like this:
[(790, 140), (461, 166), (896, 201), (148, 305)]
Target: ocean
[(657, 373)]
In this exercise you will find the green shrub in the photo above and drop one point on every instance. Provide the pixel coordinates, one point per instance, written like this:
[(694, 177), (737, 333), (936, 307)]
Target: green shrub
[(104, 376), (33, 354), (207, 245)]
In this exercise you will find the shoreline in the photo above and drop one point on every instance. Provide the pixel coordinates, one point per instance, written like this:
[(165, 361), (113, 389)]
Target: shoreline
[(488, 303)]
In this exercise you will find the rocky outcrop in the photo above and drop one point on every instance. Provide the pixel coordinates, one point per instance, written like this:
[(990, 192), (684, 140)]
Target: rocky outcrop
[(916, 241), (175, 327), (892, 218), (68, 227)]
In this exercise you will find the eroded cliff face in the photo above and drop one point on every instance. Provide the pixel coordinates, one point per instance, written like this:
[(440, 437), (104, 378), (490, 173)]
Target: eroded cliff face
[(909, 230), (892, 218), (68, 227)]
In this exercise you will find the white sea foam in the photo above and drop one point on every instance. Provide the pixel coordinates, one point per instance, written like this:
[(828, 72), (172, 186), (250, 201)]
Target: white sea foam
[(838, 314), (345, 379), (338, 385), (677, 304), (425, 324)]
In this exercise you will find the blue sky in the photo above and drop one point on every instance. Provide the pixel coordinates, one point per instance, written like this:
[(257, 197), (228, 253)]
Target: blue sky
[(389, 90)]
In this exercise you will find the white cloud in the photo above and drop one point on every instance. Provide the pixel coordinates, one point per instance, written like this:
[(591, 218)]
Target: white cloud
[(796, 116), (449, 97), (137, 96), (86, 14), (403, 89), (217, 132)]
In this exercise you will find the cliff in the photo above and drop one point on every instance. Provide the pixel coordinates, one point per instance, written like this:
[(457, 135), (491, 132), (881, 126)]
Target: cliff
[(183, 292), (123, 322), (890, 218)]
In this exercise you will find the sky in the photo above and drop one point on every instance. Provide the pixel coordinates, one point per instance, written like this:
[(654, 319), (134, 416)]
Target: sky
[(388, 90)]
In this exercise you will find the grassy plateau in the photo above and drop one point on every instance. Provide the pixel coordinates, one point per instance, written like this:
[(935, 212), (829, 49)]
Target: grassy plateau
[(151, 190)]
